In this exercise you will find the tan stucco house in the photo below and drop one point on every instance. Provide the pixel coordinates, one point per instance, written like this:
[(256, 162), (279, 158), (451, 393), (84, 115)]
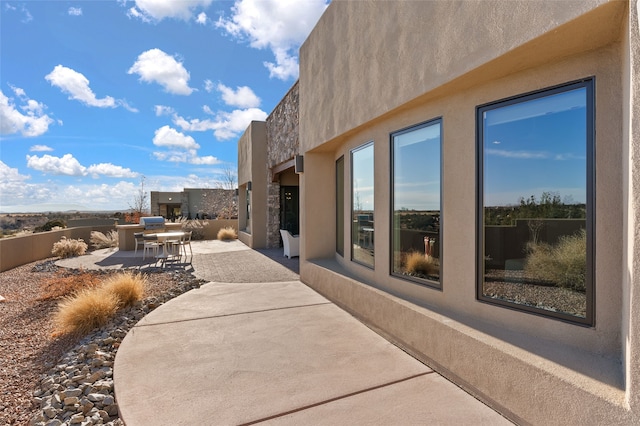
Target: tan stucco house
[(194, 203), (469, 187)]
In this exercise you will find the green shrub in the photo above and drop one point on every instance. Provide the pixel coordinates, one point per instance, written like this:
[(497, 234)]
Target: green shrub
[(100, 240), (563, 264), (417, 263), (69, 247), (227, 233), (128, 287), (50, 225), (86, 310)]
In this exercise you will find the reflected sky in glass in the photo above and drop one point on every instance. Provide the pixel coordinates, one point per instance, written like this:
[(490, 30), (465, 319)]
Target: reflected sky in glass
[(536, 146), (417, 169), (362, 171)]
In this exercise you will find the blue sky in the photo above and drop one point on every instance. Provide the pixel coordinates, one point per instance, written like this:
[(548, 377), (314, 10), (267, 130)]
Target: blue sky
[(96, 95)]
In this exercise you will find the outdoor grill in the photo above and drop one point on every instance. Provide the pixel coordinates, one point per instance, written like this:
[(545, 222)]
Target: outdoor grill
[(152, 223)]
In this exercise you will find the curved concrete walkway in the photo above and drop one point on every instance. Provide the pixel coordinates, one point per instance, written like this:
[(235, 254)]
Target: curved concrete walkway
[(261, 347)]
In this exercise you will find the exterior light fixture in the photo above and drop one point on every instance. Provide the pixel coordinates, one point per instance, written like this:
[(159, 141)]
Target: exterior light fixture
[(249, 186), (299, 164)]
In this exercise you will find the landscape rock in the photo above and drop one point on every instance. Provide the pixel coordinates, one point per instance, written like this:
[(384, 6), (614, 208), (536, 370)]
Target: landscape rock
[(79, 389)]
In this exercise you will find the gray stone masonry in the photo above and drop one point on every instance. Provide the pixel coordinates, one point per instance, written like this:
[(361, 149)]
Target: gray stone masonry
[(283, 144)]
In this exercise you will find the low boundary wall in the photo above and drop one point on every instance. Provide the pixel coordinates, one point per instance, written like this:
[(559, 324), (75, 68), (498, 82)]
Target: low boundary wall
[(16, 251)]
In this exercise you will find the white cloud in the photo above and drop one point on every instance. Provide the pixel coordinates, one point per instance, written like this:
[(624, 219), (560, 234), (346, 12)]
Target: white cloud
[(242, 97), (181, 148), (110, 170), (134, 13), (16, 189), (207, 110), (279, 25), (27, 15), (163, 110), (226, 125), (209, 86), (68, 165), (155, 66), (171, 138), (31, 121), (209, 160), (76, 85), (75, 11), (157, 10), (40, 148), (202, 18), (525, 155)]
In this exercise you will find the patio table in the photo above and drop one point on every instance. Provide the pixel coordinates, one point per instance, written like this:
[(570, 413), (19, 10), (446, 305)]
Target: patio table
[(163, 237)]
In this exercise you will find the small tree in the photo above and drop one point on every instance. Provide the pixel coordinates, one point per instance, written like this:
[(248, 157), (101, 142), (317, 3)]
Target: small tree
[(140, 205), (221, 201)]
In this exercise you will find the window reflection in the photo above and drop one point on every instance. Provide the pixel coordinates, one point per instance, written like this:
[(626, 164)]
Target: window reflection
[(340, 206), (362, 241), (416, 202), (535, 251)]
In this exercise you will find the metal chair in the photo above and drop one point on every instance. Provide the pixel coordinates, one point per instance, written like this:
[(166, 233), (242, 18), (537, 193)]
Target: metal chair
[(150, 244), (139, 241)]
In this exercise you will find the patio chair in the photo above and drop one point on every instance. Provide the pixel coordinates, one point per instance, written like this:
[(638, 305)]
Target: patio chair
[(139, 241), (150, 244), (186, 241), (291, 244)]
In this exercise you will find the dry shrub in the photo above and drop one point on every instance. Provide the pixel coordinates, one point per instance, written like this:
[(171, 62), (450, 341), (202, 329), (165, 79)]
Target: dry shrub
[(196, 226), (128, 287), (100, 240), (564, 264), (60, 286), (86, 310), (417, 263), (69, 247), (227, 233), (93, 307)]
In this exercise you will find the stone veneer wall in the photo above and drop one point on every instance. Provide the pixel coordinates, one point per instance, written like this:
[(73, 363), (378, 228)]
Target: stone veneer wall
[(283, 144), (155, 205)]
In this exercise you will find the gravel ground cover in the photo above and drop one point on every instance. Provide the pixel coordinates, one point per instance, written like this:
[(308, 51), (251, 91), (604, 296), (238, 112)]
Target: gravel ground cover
[(28, 351)]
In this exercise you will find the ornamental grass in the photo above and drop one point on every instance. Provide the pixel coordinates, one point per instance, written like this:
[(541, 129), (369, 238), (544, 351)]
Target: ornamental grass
[(128, 287), (91, 308), (86, 310), (227, 233), (101, 241), (417, 263), (68, 247), (563, 264)]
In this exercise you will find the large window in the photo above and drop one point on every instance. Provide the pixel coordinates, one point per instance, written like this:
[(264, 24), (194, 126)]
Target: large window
[(415, 234), (536, 202), (362, 242), (340, 206)]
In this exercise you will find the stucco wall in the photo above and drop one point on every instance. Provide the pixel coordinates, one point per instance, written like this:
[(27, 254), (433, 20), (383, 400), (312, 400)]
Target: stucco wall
[(252, 160), (16, 251), (372, 68), (366, 58)]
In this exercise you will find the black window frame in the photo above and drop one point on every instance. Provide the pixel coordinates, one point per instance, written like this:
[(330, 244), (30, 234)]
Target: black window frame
[(351, 183), (588, 84), (420, 281), (340, 203)]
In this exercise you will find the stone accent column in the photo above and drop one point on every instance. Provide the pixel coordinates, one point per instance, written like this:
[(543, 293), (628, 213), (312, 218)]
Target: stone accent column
[(184, 204), (283, 144), (154, 201), (273, 214)]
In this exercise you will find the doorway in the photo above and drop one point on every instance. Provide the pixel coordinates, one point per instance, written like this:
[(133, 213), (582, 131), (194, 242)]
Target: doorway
[(289, 209)]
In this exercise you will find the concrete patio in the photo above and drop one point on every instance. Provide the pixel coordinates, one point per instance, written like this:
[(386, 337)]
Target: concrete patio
[(255, 345)]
